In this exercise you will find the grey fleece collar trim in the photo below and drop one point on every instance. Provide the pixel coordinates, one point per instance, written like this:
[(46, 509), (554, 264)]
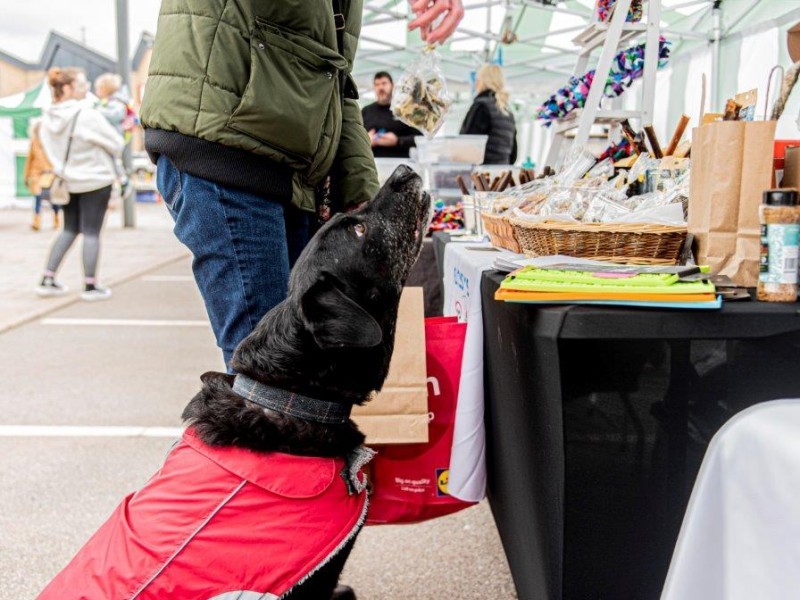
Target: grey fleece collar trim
[(289, 403)]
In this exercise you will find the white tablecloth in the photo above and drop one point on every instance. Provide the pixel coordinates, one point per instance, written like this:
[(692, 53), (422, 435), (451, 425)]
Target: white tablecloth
[(463, 264), (740, 538)]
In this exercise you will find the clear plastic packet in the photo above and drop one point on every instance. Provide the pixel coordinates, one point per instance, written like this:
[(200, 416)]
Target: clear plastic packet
[(576, 163), (604, 210), (603, 169), (643, 164), (420, 97), (568, 201)]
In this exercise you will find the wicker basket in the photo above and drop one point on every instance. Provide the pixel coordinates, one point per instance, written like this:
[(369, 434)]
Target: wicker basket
[(501, 232), (635, 243)]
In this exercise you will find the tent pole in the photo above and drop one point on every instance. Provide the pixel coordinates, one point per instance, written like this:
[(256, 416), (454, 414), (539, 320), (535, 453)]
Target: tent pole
[(716, 38)]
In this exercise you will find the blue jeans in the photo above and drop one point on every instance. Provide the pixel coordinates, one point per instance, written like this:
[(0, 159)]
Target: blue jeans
[(37, 205), (243, 247)]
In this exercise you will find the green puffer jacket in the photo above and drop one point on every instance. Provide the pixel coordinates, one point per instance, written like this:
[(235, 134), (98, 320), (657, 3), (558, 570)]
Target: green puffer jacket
[(264, 76)]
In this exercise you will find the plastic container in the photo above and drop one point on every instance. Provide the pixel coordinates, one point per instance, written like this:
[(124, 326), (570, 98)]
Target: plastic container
[(442, 176), (469, 149), (780, 234)]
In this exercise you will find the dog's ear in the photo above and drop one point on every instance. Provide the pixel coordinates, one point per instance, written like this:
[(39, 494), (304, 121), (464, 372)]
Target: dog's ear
[(334, 319)]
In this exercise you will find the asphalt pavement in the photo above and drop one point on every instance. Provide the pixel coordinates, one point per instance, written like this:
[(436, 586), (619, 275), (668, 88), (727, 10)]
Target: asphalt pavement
[(91, 402)]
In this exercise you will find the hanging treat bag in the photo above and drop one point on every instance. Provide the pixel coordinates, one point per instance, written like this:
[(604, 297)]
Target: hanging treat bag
[(420, 98)]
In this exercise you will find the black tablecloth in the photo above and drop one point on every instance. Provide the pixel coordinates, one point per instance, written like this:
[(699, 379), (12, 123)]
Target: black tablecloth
[(425, 274), (597, 419)]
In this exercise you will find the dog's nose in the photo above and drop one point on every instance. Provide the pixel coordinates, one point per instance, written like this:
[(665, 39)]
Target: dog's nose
[(402, 174)]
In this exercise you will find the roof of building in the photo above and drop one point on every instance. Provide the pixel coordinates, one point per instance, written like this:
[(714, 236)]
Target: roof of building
[(18, 62), (59, 45)]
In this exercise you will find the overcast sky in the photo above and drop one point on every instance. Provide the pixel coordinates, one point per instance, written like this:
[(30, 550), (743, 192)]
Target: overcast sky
[(24, 24)]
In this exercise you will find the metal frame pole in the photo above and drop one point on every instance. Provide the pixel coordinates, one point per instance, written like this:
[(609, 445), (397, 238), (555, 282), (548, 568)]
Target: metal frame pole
[(716, 37), (124, 68)]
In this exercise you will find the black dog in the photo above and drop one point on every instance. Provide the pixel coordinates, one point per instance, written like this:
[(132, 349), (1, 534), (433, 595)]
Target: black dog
[(310, 359)]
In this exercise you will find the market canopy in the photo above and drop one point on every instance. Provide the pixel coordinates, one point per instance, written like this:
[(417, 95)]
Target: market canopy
[(542, 54), (16, 112)]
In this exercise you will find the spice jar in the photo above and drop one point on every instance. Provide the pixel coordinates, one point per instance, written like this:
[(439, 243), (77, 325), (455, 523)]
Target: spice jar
[(780, 232)]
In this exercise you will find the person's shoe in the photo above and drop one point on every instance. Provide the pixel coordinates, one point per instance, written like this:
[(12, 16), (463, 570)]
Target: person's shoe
[(37, 222), (49, 288), (343, 592), (56, 220), (93, 293)]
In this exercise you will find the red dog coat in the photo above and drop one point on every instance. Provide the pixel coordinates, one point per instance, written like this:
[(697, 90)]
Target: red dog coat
[(214, 521)]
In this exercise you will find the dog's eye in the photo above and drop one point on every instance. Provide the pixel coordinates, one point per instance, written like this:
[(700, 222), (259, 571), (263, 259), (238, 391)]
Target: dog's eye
[(360, 229)]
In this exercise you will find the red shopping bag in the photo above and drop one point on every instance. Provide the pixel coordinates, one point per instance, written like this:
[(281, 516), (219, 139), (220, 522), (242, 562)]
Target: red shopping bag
[(409, 481)]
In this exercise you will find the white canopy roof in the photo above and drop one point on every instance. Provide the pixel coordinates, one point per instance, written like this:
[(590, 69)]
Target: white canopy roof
[(543, 55)]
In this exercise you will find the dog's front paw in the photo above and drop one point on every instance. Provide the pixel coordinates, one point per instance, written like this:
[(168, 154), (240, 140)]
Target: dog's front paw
[(343, 592)]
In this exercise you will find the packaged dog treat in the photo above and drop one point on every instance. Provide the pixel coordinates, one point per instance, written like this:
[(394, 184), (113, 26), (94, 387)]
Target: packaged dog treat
[(420, 97), (603, 210), (575, 164)]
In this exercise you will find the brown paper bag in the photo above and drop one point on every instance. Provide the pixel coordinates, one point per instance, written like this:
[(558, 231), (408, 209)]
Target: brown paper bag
[(791, 168), (398, 414), (731, 167)]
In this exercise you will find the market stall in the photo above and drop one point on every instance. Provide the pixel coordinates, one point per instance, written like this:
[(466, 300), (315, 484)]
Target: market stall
[(622, 305)]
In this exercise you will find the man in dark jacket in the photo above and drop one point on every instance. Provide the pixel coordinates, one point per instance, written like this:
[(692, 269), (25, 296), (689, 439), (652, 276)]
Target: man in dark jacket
[(390, 137)]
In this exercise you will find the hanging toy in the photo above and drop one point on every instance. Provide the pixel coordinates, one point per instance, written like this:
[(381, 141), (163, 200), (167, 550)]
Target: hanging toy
[(627, 67)]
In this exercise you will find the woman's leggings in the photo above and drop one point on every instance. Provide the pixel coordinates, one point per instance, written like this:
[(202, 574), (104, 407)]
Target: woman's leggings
[(84, 214)]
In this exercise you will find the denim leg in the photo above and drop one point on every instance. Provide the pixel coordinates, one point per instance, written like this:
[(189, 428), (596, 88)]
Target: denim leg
[(239, 244), (298, 232)]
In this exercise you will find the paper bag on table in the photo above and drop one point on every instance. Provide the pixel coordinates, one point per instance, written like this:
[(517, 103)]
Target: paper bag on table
[(731, 168), (398, 414)]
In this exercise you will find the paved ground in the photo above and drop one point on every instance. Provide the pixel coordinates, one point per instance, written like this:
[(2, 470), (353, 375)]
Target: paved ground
[(124, 254), (58, 370)]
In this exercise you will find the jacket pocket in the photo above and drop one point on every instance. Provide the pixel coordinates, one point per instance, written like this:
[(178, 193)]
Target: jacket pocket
[(288, 97)]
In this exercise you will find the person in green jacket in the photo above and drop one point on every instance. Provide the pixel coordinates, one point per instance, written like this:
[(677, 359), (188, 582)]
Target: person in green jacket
[(249, 106)]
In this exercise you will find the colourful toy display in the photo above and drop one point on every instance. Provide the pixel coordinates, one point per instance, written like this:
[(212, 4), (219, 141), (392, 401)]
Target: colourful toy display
[(604, 8), (617, 151), (627, 67), (447, 217)]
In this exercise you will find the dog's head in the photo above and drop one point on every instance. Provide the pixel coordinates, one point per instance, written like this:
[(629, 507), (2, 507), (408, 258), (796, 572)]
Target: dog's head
[(332, 338)]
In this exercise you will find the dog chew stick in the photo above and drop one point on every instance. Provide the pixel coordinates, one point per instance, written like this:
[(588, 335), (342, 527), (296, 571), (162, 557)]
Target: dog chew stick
[(461, 185), (477, 181), (523, 177), (653, 139), (676, 137), (495, 183), (507, 181)]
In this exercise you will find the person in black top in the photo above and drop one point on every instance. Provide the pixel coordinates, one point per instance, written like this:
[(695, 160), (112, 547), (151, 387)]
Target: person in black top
[(390, 138), (490, 115)]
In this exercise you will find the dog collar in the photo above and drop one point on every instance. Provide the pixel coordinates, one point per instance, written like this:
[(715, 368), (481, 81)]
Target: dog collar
[(290, 403)]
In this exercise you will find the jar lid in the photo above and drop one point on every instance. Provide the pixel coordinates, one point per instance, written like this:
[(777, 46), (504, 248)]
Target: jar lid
[(781, 197)]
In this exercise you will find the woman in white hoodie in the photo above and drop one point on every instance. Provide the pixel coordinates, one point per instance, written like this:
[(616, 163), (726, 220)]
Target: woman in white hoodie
[(87, 165)]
